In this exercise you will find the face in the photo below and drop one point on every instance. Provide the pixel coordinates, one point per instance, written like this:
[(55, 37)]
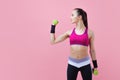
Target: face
[(74, 17)]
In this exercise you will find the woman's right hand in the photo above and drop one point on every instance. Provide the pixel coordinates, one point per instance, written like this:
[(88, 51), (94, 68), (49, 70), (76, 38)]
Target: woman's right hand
[(54, 23)]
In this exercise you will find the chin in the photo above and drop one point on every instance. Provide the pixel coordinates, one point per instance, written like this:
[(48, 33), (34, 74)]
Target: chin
[(72, 22)]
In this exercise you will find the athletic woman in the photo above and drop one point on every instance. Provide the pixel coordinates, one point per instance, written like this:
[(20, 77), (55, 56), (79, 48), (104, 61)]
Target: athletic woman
[(81, 38)]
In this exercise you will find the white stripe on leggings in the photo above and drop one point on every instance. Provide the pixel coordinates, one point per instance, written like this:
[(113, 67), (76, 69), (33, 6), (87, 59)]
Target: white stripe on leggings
[(78, 65)]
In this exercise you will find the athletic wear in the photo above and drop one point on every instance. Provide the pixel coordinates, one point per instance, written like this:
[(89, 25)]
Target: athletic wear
[(72, 72), (79, 39), (79, 62), (76, 65), (95, 63), (52, 29)]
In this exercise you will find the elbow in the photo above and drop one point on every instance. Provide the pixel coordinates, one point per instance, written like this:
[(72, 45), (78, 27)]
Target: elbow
[(52, 43)]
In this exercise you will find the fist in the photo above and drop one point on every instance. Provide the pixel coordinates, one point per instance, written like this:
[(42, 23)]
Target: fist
[(55, 22), (95, 71)]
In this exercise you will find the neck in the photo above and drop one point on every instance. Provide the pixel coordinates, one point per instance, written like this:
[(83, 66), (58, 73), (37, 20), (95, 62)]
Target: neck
[(80, 25)]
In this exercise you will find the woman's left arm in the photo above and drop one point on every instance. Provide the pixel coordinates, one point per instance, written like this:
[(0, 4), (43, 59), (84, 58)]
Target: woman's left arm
[(92, 50)]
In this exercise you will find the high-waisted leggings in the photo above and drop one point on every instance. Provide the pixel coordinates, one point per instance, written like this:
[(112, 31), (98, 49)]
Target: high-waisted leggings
[(74, 66)]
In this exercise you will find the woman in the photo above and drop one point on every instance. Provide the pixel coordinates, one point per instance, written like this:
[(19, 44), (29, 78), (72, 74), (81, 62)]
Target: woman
[(81, 38)]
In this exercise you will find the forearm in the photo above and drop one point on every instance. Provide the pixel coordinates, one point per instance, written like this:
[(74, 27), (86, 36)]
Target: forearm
[(93, 55), (94, 60), (58, 39), (52, 34), (52, 38)]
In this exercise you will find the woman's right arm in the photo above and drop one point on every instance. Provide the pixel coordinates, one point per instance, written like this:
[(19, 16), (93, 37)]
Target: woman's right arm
[(62, 37)]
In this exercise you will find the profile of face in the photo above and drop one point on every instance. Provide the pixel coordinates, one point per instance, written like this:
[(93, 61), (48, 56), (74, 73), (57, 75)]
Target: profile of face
[(74, 17)]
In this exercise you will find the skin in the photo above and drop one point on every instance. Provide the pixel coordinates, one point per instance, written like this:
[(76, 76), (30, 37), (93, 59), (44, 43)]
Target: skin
[(77, 51)]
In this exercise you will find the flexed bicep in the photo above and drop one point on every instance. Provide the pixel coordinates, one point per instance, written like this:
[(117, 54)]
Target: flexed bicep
[(58, 39), (53, 38)]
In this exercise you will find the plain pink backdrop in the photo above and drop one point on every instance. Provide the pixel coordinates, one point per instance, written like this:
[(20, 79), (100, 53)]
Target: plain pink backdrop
[(25, 49)]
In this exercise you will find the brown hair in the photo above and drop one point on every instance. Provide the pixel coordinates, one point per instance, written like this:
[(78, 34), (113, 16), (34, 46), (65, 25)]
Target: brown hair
[(84, 16)]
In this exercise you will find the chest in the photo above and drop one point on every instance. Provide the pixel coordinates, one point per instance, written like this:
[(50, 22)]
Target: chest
[(80, 38)]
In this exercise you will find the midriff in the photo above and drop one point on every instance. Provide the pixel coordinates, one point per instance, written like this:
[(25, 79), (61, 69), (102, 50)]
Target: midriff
[(78, 51)]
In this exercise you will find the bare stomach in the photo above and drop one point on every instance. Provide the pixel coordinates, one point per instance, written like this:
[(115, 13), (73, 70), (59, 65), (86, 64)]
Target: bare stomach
[(78, 51)]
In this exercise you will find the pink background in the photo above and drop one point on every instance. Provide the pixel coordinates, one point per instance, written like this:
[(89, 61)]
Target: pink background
[(25, 50)]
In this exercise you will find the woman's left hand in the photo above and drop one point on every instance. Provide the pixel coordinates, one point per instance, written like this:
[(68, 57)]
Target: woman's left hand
[(95, 71)]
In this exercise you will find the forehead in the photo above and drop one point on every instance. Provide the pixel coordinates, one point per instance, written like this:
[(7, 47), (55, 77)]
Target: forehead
[(74, 12)]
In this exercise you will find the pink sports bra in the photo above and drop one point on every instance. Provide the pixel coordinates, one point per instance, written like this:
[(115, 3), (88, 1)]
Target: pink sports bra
[(79, 39)]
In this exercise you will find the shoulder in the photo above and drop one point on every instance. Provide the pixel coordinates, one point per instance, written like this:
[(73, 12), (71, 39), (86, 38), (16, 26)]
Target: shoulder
[(90, 32), (68, 32)]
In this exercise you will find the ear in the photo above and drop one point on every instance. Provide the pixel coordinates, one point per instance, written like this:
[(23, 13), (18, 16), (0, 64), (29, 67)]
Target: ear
[(80, 17)]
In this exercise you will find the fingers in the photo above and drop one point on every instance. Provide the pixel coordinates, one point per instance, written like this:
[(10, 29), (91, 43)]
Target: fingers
[(95, 71)]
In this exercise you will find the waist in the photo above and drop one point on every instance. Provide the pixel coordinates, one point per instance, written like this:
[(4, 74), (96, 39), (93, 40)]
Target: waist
[(78, 48), (71, 59), (78, 56)]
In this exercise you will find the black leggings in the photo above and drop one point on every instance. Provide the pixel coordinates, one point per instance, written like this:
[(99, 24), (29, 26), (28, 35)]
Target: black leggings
[(72, 72)]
